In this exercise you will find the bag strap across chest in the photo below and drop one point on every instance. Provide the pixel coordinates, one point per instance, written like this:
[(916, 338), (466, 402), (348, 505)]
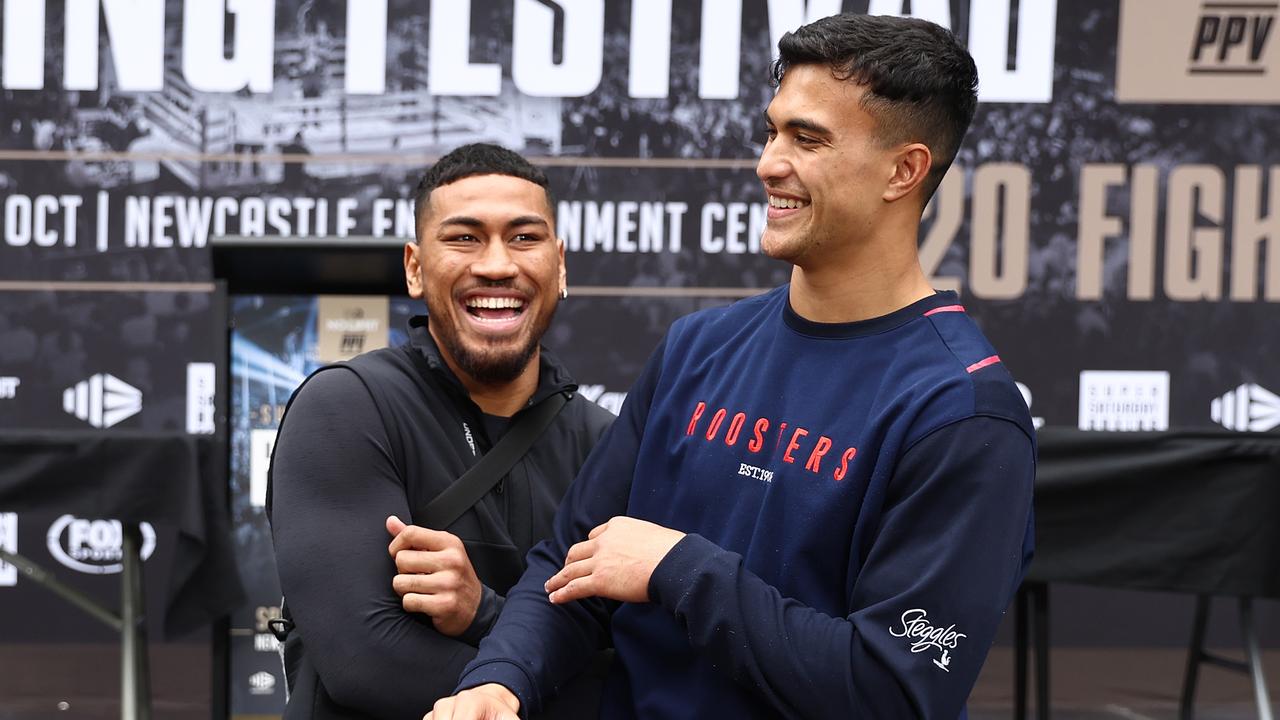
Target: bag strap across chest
[(476, 482)]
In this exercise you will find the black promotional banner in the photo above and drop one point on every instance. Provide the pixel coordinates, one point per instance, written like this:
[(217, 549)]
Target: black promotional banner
[(1112, 220), (147, 360)]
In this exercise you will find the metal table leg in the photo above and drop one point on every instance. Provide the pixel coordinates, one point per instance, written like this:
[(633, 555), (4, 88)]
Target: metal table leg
[(1021, 618), (135, 675), (1031, 627), (1040, 615), (1197, 655), (1254, 659)]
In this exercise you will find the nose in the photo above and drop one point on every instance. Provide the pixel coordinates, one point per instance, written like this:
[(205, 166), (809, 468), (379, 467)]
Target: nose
[(773, 164), (495, 262)]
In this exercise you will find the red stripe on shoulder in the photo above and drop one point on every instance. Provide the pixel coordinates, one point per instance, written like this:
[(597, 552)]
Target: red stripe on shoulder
[(984, 362), (945, 308)]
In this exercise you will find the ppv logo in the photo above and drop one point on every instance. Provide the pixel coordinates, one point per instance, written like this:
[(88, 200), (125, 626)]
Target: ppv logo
[(349, 325), (93, 546), (1213, 51), (8, 543), (103, 400), (262, 683), (1231, 38), (1124, 400), (1248, 408)]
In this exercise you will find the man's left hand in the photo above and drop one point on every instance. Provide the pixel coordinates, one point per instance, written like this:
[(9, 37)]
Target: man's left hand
[(434, 576), (615, 561)]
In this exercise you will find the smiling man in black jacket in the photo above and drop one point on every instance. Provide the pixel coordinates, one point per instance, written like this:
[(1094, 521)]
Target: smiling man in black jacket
[(388, 613)]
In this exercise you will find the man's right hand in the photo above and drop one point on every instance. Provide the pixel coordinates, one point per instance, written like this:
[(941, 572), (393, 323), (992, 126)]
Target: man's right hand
[(434, 576), (483, 702)]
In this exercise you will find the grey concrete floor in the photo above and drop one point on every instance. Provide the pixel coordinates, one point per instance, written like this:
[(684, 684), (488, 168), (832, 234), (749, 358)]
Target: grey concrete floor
[(1086, 684), (1132, 683)]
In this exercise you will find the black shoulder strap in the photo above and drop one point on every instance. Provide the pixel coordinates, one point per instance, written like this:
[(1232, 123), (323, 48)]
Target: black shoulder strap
[(475, 483), (467, 490)]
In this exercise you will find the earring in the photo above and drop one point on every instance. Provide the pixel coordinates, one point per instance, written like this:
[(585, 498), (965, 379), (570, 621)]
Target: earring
[(564, 293)]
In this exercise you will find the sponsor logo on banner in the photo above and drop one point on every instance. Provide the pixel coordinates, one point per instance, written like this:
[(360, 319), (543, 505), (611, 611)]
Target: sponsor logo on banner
[(349, 325), (261, 441), (103, 400), (201, 392), (1248, 408), (93, 546), (1124, 400), (1036, 422), (262, 683), (1198, 52), (9, 387), (8, 543), (611, 401)]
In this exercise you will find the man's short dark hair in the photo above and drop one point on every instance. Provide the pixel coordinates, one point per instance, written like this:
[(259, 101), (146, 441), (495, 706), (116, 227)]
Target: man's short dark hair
[(921, 83), (471, 160)]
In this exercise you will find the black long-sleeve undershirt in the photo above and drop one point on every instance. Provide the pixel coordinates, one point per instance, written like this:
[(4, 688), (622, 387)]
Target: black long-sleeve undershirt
[(334, 484)]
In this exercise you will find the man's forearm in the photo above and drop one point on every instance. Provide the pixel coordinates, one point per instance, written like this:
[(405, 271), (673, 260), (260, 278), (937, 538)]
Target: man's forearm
[(535, 644)]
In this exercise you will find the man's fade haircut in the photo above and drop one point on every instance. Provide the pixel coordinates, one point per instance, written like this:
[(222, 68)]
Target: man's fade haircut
[(921, 83), (475, 159)]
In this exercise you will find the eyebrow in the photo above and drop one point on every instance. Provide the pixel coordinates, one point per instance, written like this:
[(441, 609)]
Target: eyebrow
[(800, 124), (468, 221), (462, 220), (526, 220)]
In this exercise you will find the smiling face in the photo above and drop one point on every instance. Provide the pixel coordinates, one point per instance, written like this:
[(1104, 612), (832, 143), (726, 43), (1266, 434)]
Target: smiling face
[(824, 167), (490, 268)]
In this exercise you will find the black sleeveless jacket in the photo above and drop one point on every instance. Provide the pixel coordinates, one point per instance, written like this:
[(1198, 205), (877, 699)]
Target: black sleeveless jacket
[(435, 434)]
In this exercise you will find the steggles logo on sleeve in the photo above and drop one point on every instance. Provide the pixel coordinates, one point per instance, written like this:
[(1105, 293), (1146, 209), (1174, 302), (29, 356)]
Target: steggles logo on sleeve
[(923, 635)]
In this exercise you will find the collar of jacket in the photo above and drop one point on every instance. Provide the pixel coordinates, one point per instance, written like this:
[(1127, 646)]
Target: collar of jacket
[(552, 375)]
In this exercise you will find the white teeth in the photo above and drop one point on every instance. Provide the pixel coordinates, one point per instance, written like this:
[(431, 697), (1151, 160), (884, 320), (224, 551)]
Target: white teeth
[(786, 203), (494, 303)]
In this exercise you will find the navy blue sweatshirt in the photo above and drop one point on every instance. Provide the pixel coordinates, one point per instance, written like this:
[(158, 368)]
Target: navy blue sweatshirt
[(857, 498)]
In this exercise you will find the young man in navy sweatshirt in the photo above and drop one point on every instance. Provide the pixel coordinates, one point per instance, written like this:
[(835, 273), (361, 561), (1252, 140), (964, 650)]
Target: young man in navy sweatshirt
[(816, 502)]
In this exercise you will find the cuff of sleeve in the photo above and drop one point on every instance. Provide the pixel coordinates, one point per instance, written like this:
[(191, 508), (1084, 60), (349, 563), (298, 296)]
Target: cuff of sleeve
[(677, 573), (486, 615), (507, 674)]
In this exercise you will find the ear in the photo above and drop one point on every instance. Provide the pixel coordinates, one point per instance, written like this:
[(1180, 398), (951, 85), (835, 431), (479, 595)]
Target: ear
[(412, 270), (564, 277), (910, 169)]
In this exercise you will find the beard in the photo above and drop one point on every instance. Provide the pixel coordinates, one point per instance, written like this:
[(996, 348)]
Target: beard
[(485, 361), (490, 364)]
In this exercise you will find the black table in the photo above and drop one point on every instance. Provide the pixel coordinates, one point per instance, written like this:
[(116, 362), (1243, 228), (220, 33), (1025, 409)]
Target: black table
[(1182, 511), (163, 479)]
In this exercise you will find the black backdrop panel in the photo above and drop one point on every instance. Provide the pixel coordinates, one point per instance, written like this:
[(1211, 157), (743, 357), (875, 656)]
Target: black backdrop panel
[(1110, 211), (113, 361)]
